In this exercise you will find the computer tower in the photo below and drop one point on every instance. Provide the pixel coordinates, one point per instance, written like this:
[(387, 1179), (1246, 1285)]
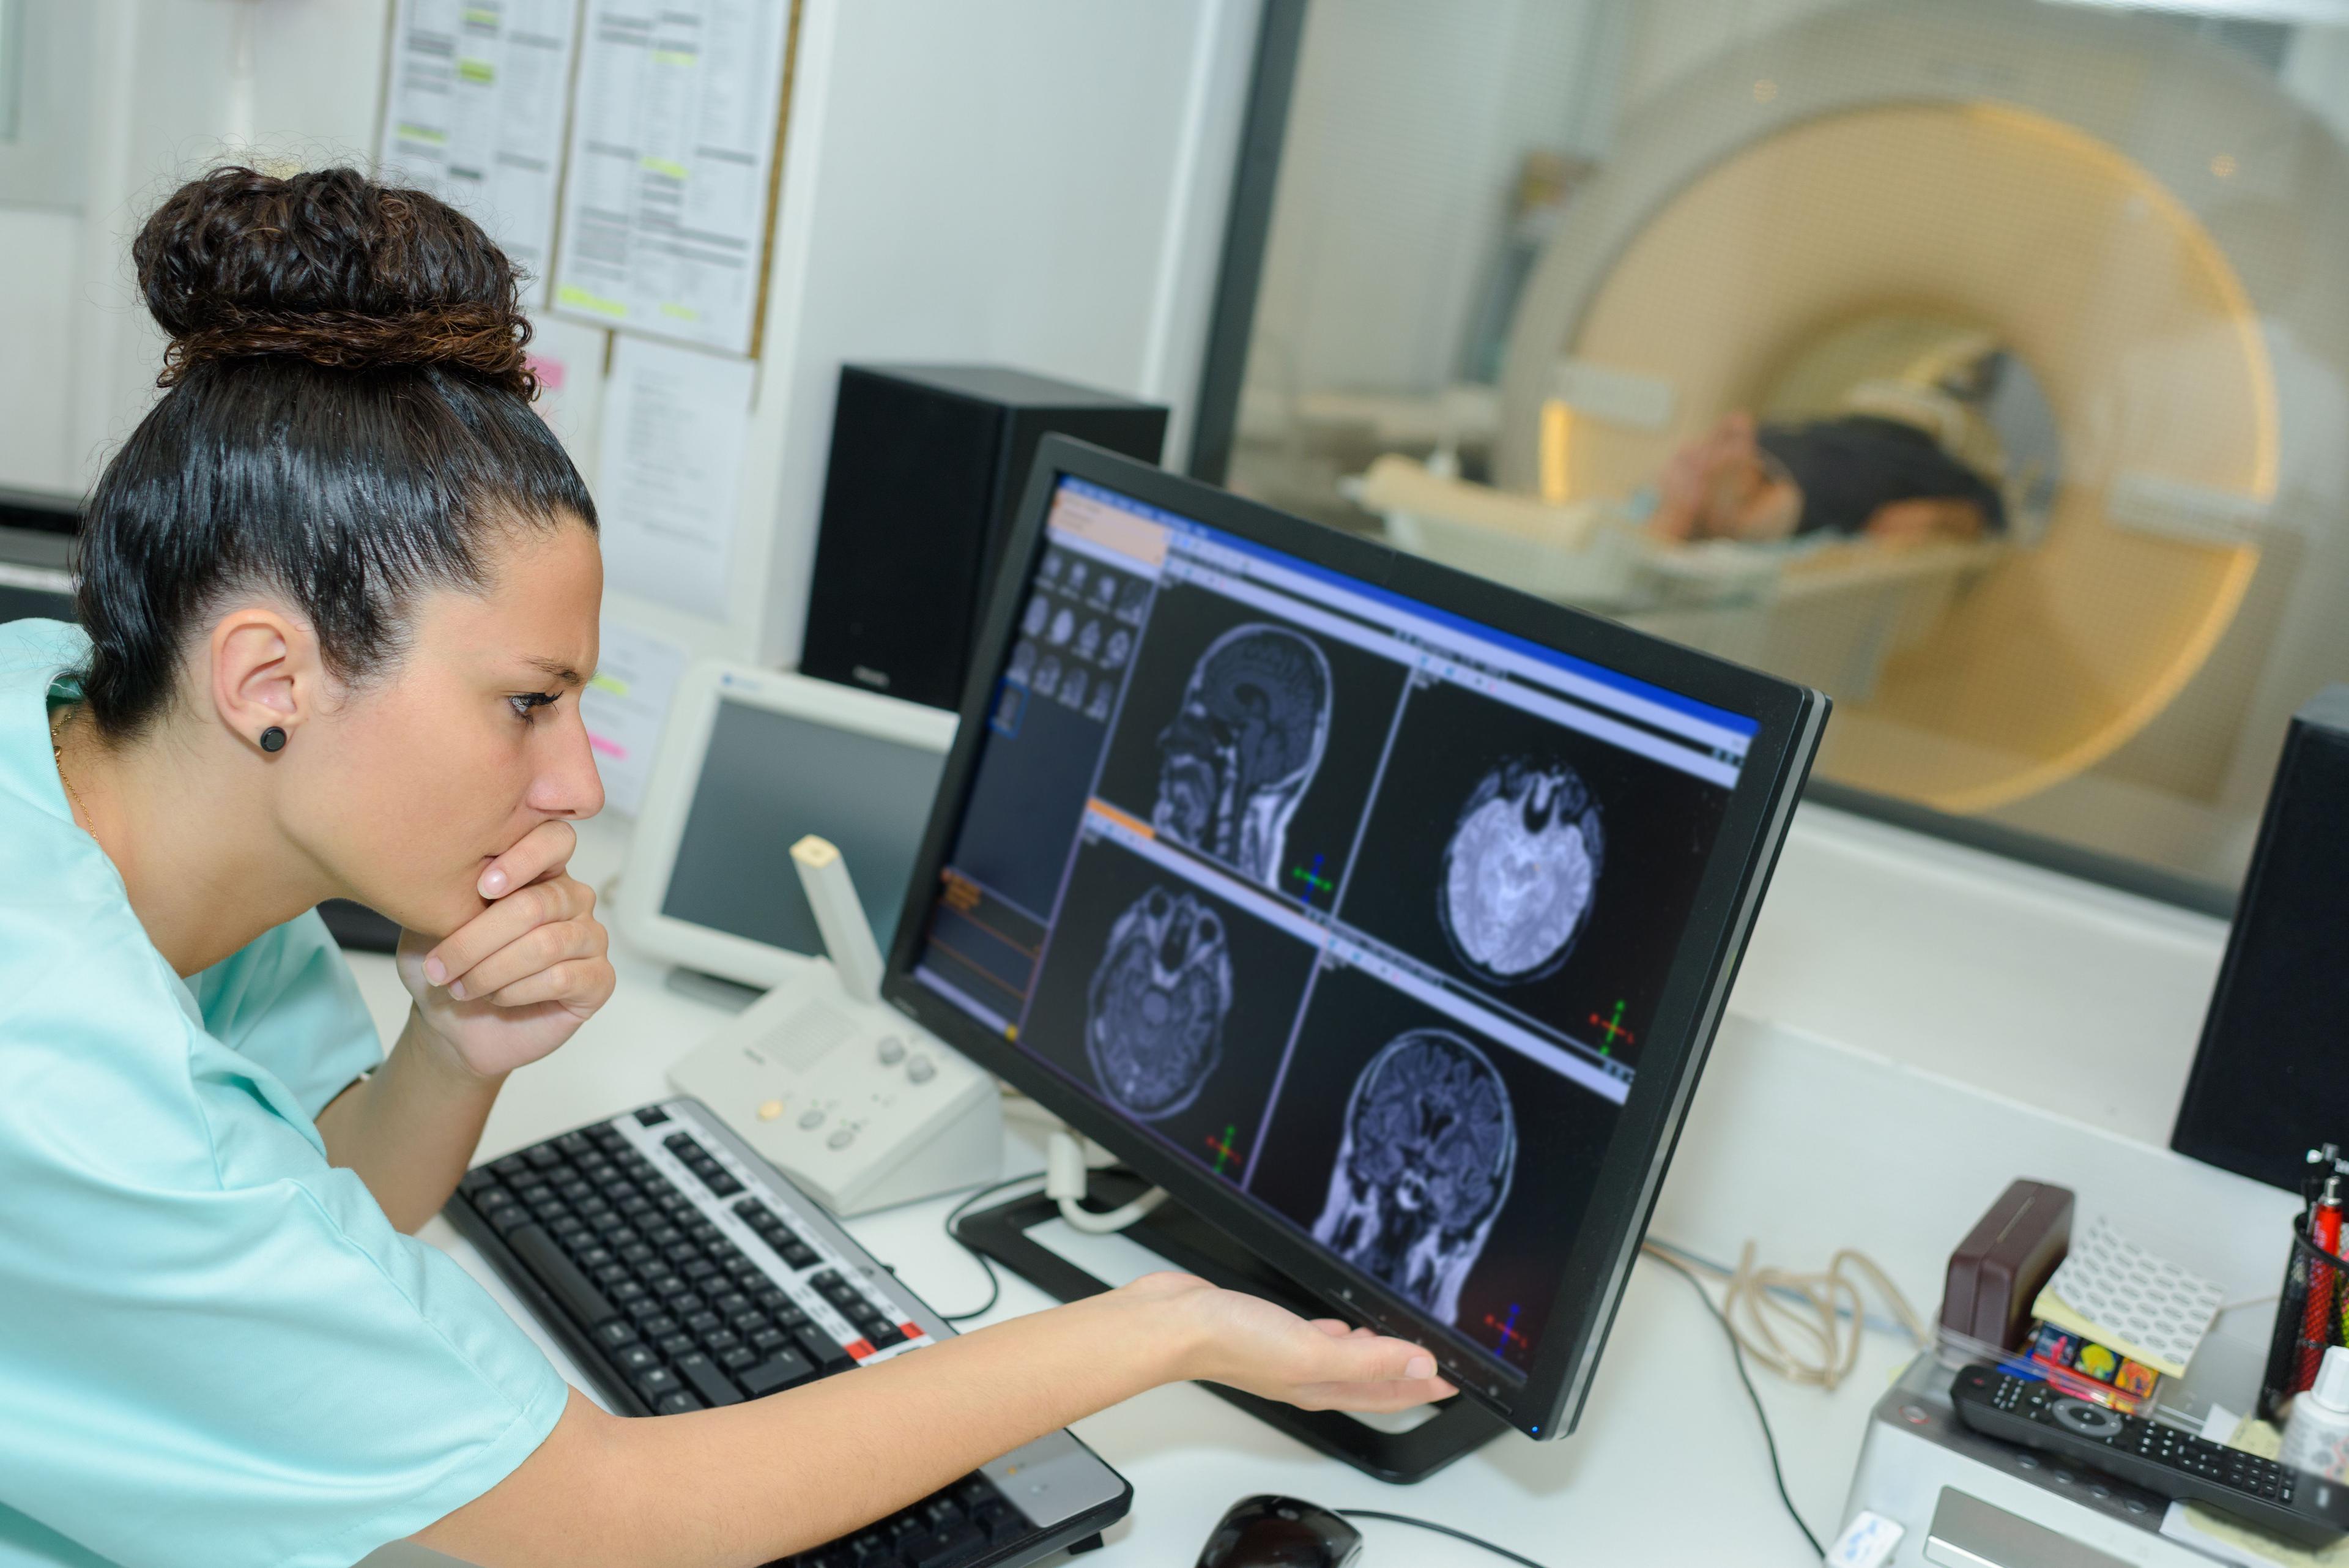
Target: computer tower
[(928, 464), (2270, 1078)]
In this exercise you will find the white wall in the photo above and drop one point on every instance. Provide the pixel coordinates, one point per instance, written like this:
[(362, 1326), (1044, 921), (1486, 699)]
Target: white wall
[(1037, 182)]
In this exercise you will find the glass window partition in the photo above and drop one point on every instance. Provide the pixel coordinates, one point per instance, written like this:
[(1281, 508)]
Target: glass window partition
[(1982, 362)]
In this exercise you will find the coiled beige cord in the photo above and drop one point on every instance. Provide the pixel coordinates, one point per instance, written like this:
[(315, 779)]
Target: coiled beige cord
[(1806, 1327)]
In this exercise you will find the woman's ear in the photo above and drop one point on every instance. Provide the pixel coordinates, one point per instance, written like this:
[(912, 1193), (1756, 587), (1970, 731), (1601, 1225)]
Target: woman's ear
[(265, 673)]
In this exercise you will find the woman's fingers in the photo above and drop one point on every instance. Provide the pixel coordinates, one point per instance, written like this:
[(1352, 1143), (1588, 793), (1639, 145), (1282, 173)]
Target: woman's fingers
[(504, 923), (582, 983), (537, 949), (545, 848)]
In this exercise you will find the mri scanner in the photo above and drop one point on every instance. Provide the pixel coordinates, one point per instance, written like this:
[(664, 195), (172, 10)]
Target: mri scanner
[(2136, 216)]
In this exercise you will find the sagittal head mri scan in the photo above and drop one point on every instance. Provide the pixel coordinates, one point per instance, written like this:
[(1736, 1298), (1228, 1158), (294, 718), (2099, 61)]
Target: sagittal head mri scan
[(1239, 754), (1521, 871), (1155, 1013), (1423, 1165)]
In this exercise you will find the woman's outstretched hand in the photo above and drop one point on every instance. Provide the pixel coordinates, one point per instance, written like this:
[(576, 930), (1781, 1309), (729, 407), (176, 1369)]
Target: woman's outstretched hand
[(518, 980), (1229, 1337)]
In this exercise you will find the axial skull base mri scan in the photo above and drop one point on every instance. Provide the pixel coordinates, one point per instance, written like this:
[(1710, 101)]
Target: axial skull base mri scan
[(1521, 871), (1155, 1010), (1429, 1149)]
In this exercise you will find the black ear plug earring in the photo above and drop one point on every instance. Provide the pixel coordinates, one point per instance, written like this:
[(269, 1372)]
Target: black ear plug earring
[(272, 739)]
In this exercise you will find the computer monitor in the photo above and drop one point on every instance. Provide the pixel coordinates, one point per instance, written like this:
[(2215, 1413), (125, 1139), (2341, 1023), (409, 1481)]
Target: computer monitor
[(752, 761), (1380, 914)]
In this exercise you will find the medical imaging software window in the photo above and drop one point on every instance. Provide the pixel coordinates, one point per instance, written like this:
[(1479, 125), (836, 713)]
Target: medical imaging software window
[(1361, 907)]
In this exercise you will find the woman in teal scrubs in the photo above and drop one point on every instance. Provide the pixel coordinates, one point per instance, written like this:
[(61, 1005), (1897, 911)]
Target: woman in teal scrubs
[(339, 592)]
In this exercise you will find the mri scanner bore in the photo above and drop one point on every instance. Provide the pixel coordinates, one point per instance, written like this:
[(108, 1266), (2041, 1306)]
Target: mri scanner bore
[(1986, 365)]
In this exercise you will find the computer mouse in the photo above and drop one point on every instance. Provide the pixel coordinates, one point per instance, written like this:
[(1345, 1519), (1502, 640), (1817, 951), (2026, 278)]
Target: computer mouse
[(1271, 1532)]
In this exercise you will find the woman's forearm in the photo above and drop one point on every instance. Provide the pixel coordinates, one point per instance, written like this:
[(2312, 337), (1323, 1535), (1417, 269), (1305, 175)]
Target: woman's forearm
[(411, 1129), (754, 1483)]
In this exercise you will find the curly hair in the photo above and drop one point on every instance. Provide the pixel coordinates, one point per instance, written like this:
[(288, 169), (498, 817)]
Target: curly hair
[(346, 418)]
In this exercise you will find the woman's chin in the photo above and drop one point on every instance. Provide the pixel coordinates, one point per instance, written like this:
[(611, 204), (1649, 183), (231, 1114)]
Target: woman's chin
[(433, 912)]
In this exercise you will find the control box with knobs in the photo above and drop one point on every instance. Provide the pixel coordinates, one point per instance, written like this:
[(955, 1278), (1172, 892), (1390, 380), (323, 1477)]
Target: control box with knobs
[(857, 1104)]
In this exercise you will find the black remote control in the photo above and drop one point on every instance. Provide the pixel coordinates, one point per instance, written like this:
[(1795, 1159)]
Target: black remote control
[(2291, 1503)]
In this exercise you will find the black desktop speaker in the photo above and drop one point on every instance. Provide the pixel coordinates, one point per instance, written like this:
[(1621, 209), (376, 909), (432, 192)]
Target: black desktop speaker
[(928, 465), (2271, 1079)]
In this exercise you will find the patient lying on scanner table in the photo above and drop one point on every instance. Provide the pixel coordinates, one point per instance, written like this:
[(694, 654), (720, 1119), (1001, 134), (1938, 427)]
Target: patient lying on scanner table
[(1880, 471)]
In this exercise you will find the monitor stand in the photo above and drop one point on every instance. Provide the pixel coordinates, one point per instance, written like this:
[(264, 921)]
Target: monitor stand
[(1191, 1244)]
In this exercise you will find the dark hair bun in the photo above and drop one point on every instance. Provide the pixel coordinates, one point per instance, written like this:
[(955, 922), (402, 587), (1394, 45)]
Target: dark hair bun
[(331, 267)]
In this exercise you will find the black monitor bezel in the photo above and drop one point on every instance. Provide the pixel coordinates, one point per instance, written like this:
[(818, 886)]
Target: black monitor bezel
[(1546, 1401)]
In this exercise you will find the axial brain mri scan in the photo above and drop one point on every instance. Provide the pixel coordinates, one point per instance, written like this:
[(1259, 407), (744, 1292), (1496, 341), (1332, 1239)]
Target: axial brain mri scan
[(1155, 1013), (1423, 1165), (1242, 750), (1521, 871)]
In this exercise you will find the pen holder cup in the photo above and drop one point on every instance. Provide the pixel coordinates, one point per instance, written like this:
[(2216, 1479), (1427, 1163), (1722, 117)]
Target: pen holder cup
[(2308, 1320)]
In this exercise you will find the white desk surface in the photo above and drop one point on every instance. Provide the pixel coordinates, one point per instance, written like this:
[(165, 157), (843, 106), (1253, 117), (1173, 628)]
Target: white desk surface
[(1800, 1144)]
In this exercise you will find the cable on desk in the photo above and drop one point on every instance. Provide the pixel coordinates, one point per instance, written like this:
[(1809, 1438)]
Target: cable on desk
[(994, 1280), (1440, 1529), (1793, 1322), (1737, 1356)]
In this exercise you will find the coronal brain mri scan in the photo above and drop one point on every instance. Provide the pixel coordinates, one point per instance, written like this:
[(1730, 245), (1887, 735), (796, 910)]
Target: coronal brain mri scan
[(1520, 870), (1425, 1162), (1243, 748), (1155, 1013)]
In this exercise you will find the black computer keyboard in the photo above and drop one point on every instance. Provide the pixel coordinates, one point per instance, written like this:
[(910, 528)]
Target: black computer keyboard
[(682, 1271)]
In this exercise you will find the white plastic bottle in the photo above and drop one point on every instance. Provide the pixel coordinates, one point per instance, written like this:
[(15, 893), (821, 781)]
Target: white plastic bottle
[(2316, 1437)]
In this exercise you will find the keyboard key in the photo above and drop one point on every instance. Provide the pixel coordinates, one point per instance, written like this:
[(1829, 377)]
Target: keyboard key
[(677, 1404), (652, 1115), (636, 1358), (507, 1218), (714, 1387), (784, 1369), (654, 1382), (644, 1309), (574, 1289), (997, 1519), (819, 1348), (736, 1357), (885, 1335), (679, 1344), (475, 1180), (959, 1542), (769, 1338), (618, 1331), (658, 1324), (545, 1157)]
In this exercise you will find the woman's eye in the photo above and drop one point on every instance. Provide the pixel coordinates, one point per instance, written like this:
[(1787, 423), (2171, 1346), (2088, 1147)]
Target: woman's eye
[(527, 703)]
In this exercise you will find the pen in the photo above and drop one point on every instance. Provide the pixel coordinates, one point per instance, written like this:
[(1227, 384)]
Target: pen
[(2317, 1318)]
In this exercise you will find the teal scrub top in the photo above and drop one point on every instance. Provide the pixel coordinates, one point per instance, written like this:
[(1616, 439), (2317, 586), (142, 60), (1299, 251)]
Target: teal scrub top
[(215, 1349)]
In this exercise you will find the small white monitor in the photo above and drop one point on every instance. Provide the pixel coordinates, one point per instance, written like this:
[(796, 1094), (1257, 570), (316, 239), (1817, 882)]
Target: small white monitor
[(750, 761)]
